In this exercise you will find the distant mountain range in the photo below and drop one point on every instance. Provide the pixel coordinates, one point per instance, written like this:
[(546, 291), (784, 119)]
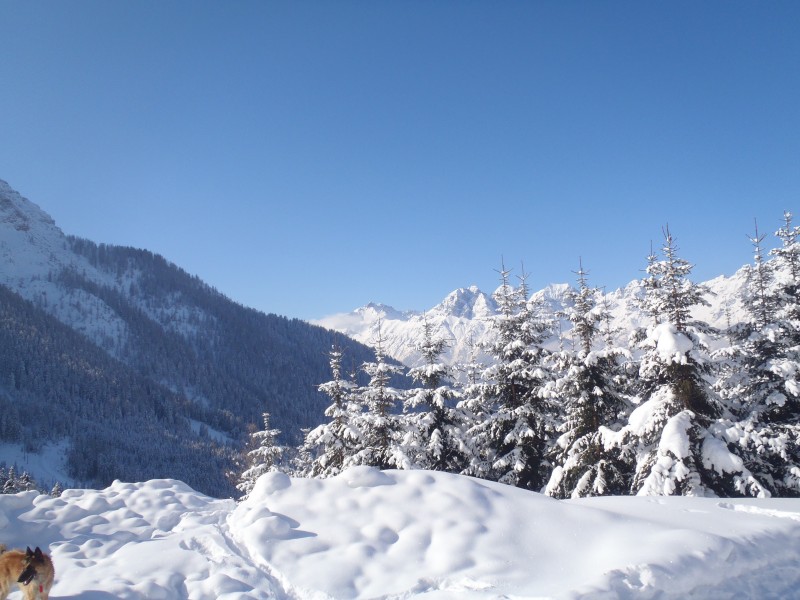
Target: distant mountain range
[(464, 319), (144, 370)]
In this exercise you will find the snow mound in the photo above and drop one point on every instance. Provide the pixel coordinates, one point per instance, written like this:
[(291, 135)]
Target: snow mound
[(403, 534)]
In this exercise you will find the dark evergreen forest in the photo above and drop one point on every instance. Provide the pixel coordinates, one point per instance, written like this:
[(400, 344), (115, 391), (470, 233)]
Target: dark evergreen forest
[(128, 404)]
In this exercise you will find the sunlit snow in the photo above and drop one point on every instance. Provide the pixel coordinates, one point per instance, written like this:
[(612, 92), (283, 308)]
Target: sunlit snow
[(671, 344), (403, 534)]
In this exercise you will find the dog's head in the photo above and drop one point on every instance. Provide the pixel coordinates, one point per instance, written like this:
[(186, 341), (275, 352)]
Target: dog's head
[(33, 558)]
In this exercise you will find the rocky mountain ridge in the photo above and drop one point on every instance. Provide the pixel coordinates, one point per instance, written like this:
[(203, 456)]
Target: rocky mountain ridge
[(463, 318)]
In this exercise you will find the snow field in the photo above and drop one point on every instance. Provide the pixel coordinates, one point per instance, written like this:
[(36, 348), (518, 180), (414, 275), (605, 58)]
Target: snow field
[(402, 534)]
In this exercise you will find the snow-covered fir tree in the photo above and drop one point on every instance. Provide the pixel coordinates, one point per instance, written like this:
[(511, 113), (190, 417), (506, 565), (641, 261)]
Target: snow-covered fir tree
[(26, 483), (787, 292), (587, 388), (10, 481), (433, 422), (788, 255), (787, 320), (671, 431), (328, 447), (379, 427), (760, 369), (649, 298), (263, 456), (519, 425), (607, 328), (475, 411)]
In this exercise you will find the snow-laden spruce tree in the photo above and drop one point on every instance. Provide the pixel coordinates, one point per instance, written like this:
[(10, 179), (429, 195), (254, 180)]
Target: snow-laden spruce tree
[(11, 483), (786, 292), (329, 445), (760, 370), (587, 388), (263, 456), (475, 411), (519, 426), (433, 424), (380, 429), (672, 430)]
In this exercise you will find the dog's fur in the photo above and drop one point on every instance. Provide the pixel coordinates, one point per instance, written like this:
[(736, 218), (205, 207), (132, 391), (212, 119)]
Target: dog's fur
[(32, 570)]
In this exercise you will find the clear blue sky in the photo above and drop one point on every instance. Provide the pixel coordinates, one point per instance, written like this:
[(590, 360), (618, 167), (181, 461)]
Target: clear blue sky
[(306, 158)]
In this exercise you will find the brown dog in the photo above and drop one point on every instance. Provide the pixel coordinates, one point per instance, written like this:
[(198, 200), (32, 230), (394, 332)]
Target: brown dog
[(32, 570)]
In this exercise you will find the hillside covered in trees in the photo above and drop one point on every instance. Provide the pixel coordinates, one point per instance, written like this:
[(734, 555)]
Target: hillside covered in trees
[(142, 369)]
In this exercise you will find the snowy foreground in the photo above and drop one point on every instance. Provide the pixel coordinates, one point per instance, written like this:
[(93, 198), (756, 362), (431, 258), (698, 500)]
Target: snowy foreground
[(402, 534)]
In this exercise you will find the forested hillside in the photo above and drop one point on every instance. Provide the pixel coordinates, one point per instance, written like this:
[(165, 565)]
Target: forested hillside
[(57, 384), (144, 370), (231, 361), (128, 405)]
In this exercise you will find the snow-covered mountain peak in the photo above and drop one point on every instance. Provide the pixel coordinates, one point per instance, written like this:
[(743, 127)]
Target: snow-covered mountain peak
[(362, 323), (553, 296), (19, 211), (555, 290), (375, 310), (463, 318), (467, 303), (31, 246), (724, 299), (36, 255)]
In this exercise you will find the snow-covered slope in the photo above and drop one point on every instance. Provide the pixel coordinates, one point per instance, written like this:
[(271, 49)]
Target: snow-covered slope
[(404, 534), (33, 251), (30, 243), (464, 318)]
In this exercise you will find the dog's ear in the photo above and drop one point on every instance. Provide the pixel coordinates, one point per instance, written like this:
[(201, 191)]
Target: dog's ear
[(28, 551), (38, 553)]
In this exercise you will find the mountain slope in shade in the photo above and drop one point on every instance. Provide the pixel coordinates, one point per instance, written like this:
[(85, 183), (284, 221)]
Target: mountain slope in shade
[(120, 334)]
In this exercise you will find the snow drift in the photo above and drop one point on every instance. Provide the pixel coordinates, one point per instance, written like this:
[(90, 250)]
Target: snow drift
[(402, 534)]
